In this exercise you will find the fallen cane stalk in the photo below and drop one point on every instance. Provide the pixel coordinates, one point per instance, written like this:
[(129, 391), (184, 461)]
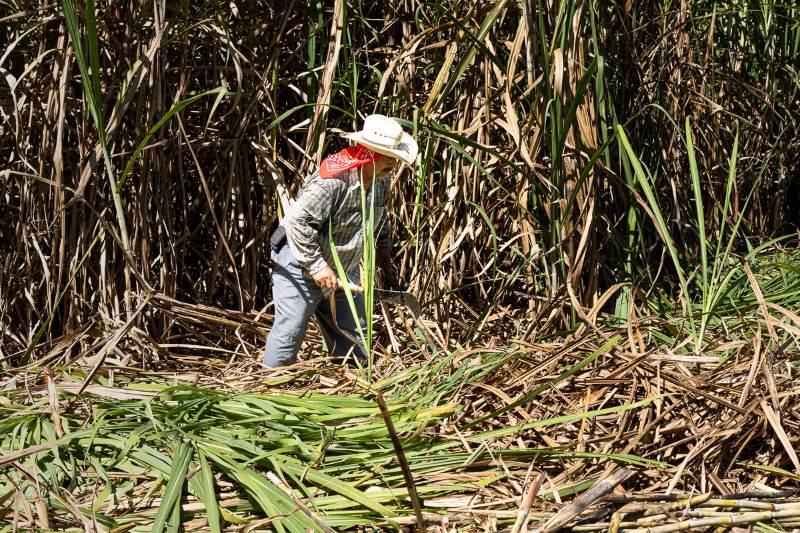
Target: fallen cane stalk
[(622, 526), (750, 504), (649, 523), (697, 513), (401, 458), (600, 489), (682, 497), (786, 493), (616, 522), (730, 520), (525, 508), (700, 499)]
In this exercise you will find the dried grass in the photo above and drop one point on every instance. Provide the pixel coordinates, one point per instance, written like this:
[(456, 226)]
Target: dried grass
[(568, 412)]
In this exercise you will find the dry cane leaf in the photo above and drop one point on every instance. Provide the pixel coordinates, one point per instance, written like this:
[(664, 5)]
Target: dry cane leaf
[(775, 422)]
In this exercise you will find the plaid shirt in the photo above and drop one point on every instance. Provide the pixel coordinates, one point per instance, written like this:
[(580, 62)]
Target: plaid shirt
[(334, 204)]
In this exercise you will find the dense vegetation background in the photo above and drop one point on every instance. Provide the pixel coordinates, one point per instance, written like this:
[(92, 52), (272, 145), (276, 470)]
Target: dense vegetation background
[(523, 189)]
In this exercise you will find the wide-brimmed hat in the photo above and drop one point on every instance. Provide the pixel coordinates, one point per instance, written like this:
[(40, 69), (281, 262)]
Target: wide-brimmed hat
[(386, 136)]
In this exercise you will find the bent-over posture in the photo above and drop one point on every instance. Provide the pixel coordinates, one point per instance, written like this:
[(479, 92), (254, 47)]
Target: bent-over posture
[(329, 208)]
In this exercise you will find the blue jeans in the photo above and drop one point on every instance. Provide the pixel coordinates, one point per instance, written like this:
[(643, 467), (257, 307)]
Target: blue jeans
[(297, 298)]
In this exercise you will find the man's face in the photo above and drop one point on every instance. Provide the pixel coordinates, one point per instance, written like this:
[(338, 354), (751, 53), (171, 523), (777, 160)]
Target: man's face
[(385, 165), (381, 167)]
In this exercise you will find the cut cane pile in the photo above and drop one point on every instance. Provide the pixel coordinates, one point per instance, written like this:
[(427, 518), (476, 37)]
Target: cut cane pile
[(602, 429)]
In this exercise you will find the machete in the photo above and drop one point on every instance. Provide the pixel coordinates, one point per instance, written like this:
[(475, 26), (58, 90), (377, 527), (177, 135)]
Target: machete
[(410, 302)]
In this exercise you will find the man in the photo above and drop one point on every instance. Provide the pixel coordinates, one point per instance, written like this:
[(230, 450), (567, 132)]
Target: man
[(329, 207)]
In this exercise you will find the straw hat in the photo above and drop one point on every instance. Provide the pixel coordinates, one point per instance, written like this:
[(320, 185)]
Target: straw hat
[(386, 136)]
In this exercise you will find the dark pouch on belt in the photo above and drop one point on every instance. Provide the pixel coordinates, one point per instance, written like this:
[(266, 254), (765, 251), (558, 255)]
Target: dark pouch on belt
[(277, 239)]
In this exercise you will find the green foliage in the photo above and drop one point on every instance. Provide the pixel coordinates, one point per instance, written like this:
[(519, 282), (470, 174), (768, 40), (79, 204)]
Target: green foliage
[(708, 289), (332, 451)]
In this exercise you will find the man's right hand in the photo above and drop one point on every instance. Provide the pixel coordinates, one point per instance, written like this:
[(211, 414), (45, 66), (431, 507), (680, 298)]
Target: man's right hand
[(326, 278)]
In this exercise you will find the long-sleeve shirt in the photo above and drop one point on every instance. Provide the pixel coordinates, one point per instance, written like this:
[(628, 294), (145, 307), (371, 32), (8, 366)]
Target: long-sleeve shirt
[(333, 206)]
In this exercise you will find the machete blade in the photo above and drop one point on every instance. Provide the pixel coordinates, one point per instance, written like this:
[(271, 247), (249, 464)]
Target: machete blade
[(409, 301)]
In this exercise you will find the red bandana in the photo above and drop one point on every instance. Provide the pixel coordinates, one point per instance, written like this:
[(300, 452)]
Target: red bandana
[(348, 159)]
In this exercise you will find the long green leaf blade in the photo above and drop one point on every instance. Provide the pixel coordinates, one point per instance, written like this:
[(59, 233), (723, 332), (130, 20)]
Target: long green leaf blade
[(171, 499)]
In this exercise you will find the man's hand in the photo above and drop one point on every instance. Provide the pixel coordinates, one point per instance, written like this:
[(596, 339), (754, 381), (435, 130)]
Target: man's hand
[(326, 278)]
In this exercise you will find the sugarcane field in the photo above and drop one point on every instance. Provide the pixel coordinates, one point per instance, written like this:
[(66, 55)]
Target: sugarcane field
[(404, 265)]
